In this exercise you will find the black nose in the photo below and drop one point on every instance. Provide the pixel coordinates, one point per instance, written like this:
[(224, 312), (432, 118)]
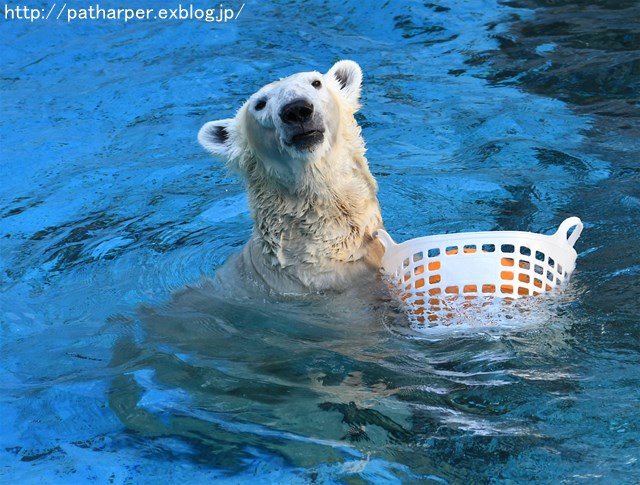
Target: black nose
[(296, 112)]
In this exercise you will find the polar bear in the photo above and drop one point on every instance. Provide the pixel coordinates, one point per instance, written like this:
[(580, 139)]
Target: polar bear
[(313, 200)]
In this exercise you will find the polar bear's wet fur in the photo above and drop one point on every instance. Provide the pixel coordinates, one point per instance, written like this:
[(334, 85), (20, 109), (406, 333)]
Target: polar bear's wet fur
[(299, 149)]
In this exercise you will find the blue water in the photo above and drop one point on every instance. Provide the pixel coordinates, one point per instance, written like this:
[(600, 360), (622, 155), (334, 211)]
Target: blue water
[(478, 115)]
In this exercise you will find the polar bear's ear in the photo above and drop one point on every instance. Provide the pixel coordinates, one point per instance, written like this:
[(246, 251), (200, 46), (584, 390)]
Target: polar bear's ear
[(215, 136), (349, 77)]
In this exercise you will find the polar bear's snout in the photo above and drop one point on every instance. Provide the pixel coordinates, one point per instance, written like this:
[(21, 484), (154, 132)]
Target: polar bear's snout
[(296, 112), (304, 129)]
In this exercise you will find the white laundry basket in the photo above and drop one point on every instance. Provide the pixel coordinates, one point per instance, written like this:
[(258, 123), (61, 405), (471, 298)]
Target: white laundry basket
[(432, 275)]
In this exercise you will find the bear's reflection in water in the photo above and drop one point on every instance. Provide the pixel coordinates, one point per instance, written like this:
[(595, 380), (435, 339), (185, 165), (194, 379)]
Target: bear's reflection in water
[(310, 379)]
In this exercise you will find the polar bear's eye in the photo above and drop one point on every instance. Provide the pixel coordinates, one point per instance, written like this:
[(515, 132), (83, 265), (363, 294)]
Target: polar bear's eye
[(260, 105), (316, 84)]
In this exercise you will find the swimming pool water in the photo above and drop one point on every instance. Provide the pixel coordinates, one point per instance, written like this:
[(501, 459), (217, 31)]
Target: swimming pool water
[(478, 115)]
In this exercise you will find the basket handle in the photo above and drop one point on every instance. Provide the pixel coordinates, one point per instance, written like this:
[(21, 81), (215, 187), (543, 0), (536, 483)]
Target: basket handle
[(384, 238), (567, 224)]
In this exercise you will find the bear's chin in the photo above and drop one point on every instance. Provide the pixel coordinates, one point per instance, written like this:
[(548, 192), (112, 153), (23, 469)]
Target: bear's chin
[(307, 140)]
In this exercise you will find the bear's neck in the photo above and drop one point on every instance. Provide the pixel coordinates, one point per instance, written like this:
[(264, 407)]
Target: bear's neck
[(323, 223)]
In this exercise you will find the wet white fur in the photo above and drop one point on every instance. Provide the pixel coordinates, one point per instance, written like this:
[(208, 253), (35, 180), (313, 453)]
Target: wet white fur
[(315, 211)]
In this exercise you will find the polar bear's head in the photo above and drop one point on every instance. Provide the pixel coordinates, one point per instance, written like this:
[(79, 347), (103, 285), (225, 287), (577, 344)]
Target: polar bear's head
[(290, 123)]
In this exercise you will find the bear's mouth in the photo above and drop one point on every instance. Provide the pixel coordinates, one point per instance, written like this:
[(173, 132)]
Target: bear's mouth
[(307, 139)]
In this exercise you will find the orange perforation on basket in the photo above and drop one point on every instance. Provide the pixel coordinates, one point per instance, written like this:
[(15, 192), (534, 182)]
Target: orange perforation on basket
[(508, 289), (488, 288), (506, 275)]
